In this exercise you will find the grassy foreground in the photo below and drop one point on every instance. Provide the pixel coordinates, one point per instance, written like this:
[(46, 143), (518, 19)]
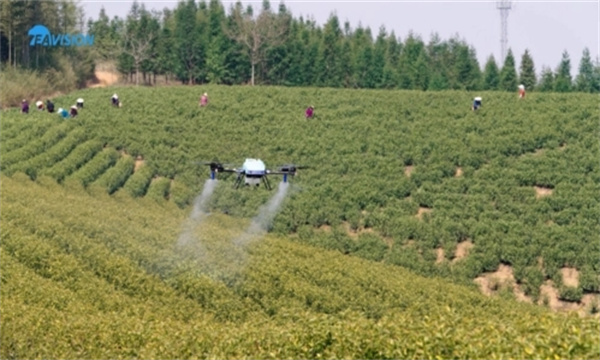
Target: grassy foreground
[(88, 275)]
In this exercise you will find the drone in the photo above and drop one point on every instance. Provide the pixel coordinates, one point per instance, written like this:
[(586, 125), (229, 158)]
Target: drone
[(252, 172)]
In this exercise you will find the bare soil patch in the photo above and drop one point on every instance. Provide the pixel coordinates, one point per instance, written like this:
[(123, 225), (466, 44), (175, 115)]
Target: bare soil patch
[(551, 294), (139, 162), (408, 170), (503, 278), (459, 172), (570, 276), (104, 78), (491, 282), (423, 210), (325, 228), (439, 255), (538, 152), (541, 191), (462, 250)]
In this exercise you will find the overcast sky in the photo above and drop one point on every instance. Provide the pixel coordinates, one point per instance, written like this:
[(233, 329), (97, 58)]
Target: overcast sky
[(546, 28)]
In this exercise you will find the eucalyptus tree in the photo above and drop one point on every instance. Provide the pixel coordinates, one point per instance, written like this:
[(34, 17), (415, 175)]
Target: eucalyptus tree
[(256, 34)]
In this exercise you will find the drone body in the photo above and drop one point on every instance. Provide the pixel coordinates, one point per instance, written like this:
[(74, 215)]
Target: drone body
[(252, 172)]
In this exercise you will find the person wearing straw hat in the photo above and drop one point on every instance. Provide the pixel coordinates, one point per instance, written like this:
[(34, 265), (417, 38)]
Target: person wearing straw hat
[(79, 103), (115, 100), (39, 105), (476, 103), (73, 111), (204, 99), (63, 113), (521, 91)]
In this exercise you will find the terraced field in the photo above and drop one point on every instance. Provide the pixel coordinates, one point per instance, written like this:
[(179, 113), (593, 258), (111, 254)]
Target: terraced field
[(98, 276), (504, 199)]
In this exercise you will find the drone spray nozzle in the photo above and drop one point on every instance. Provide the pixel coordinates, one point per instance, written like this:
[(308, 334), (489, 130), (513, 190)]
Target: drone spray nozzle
[(215, 166)]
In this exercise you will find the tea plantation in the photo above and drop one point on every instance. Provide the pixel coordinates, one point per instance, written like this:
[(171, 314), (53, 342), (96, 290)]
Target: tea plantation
[(93, 210)]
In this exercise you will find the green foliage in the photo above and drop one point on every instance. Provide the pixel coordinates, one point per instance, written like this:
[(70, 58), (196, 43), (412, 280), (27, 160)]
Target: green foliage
[(375, 156), (89, 172), (527, 75), (585, 80), (77, 158), (546, 80), (491, 75), (109, 277), (159, 189), (563, 81), (116, 176), (569, 293), (589, 280), (138, 183), (508, 74)]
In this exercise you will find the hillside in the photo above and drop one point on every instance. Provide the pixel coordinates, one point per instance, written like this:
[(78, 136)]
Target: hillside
[(103, 231), (408, 178), (88, 275)]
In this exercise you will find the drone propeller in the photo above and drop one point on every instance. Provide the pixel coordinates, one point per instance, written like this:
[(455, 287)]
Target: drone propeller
[(291, 168)]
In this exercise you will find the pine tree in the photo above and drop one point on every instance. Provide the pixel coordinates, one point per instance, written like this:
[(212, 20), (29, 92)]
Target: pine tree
[(408, 72), (527, 75), (491, 74), (546, 80), (330, 53), (438, 52), (585, 79), (466, 69), (563, 81), (379, 53), (392, 56), (508, 74)]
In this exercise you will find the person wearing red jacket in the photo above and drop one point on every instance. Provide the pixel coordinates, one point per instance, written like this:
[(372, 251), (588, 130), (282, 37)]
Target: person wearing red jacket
[(310, 112)]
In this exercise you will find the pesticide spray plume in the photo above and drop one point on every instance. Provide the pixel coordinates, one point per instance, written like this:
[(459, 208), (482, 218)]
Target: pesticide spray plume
[(198, 214), (260, 223), (213, 257)]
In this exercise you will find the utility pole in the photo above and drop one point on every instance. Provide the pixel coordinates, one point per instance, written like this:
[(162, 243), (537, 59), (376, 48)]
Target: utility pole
[(504, 6)]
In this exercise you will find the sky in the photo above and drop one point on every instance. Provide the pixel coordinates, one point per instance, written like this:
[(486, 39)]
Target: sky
[(545, 28)]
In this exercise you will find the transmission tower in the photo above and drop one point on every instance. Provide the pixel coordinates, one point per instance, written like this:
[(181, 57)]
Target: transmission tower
[(504, 6)]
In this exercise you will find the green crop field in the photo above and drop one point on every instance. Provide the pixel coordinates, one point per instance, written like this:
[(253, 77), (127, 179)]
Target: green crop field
[(409, 198)]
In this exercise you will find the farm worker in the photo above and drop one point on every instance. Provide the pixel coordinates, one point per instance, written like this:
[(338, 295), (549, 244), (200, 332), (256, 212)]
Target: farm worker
[(204, 99), (63, 113), (521, 91), (39, 105), (79, 103), (310, 111), (24, 107), (73, 111), (115, 100), (476, 103), (49, 106)]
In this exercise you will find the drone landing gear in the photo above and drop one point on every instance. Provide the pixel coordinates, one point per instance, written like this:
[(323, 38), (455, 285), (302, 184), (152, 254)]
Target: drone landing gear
[(266, 182), (238, 181)]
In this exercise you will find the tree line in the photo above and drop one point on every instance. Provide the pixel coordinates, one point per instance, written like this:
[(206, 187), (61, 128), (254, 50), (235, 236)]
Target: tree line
[(200, 42)]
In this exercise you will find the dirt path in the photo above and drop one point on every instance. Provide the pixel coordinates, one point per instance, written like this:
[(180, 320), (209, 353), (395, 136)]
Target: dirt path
[(104, 78)]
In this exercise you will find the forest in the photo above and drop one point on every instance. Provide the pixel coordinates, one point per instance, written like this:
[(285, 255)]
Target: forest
[(201, 42)]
